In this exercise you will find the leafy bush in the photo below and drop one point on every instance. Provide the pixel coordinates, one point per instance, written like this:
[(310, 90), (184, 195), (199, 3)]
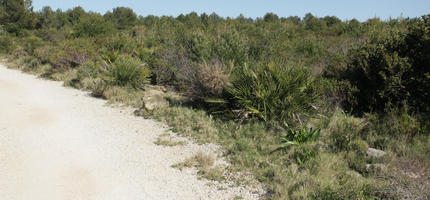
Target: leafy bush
[(397, 123), (127, 71), (309, 46), (392, 71), (71, 53), (119, 43), (230, 47), (274, 92), (7, 44), (198, 47), (16, 15), (31, 43), (92, 25), (313, 23), (51, 34), (122, 17)]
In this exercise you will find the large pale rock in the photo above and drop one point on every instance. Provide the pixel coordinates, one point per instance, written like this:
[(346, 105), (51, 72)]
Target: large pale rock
[(375, 153), (154, 99)]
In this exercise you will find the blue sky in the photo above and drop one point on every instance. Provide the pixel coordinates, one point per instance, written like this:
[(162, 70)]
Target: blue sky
[(344, 9)]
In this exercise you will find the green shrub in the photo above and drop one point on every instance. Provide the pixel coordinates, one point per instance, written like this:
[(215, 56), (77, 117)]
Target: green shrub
[(71, 53), (397, 124), (230, 47), (7, 44), (273, 92), (309, 46), (392, 70), (32, 42), (90, 69), (30, 64), (128, 71), (342, 130), (122, 17), (92, 25), (51, 34), (198, 47), (97, 86), (119, 43)]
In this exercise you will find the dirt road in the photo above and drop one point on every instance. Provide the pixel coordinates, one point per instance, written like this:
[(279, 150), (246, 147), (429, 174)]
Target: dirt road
[(59, 143)]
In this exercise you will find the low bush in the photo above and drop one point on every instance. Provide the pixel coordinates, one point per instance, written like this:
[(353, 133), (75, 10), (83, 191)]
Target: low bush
[(211, 80), (173, 67), (97, 86), (120, 43), (272, 92), (336, 181), (342, 130), (7, 44), (230, 47), (127, 71), (387, 73), (70, 53), (92, 25), (31, 42), (396, 124)]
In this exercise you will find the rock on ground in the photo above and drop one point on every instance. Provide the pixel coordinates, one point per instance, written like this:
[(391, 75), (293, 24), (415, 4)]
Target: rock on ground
[(375, 153)]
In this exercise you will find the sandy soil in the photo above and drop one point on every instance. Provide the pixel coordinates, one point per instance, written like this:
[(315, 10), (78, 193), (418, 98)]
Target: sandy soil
[(59, 143)]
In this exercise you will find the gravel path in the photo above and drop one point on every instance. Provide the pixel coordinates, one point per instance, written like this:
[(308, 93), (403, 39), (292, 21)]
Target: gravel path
[(59, 143)]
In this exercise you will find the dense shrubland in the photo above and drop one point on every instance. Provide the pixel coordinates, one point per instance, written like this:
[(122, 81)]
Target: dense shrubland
[(294, 101)]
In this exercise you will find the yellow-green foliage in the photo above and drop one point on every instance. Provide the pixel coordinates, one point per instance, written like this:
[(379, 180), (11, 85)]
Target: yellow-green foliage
[(342, 129), (7, 43)]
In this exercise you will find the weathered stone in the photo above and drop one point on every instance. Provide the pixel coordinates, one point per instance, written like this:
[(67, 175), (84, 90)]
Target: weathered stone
[(154, 99), (375, 153)]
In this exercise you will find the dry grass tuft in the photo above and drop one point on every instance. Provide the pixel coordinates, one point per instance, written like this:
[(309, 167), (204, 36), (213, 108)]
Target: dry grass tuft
[(167, 140), (205, 166)]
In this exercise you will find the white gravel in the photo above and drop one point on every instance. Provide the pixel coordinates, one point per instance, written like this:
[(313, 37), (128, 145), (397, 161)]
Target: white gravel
[(59, 143)]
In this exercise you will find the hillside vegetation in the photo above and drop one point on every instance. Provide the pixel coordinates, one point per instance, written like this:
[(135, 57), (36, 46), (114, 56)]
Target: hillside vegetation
[(296, 102)]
